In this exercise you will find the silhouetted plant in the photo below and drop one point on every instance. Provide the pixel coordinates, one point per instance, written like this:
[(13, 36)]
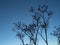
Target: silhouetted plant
[(56, 33), (41, 16), (19, 34)]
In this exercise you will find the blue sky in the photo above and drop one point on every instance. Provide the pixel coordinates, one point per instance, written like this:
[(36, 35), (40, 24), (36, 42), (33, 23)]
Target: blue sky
[(17, 10)]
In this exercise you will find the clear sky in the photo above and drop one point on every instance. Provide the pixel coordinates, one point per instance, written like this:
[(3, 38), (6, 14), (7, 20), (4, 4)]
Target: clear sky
[(17, 10)]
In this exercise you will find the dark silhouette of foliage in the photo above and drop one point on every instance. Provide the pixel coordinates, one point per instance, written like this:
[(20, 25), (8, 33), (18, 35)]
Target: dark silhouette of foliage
[(40, 16), (56, 33)]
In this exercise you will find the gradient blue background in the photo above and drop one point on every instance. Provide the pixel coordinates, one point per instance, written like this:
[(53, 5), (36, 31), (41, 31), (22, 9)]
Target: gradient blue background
[(17, 10)]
